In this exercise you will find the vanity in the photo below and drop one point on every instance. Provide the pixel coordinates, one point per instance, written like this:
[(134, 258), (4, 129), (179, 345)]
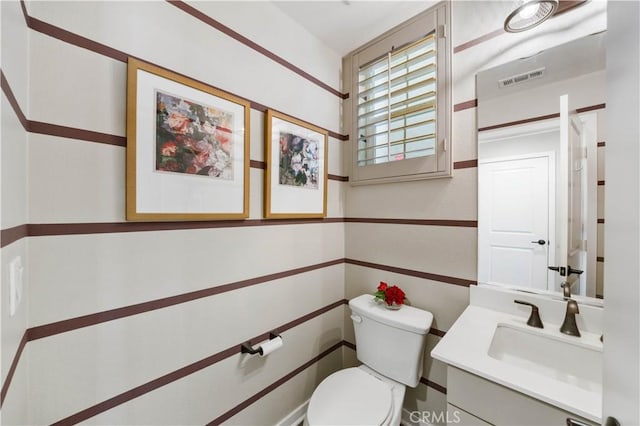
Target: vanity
[(501, 371)]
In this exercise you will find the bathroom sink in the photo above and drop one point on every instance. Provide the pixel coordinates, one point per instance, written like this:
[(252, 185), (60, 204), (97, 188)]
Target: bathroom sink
[(562, 358)]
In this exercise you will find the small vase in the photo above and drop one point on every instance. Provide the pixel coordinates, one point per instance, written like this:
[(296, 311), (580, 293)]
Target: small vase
[(393, 306)]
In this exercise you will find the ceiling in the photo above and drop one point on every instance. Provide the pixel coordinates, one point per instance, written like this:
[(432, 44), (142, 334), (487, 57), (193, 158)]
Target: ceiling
[(347, 25)]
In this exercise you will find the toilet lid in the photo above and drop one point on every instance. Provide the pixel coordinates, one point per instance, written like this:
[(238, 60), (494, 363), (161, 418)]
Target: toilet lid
[(350, 397)]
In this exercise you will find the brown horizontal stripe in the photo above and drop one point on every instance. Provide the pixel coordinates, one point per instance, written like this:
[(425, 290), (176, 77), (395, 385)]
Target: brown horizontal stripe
[(147, 387), (433, 385), (338, 178), (349, 345), (466, 164), (523, 121), (11, 235), (437, 332), (75, 39), (539, 118), (601, 144), (74, 133), (424, 222), (567, 5), (54, 129), (262, 165), (255, 164), (307, 317), (255, 397), (172, 377), (465, 105), (6, 89), (251, 44), (50, 229), (600, 259), (599, 296), (563, 7), (64, 326), (600, 220), (410, 272), (12, 368), (93, 46), (478, 40), (600, 183), (24, 12), (85, 43), (338, 136), (591, 108)]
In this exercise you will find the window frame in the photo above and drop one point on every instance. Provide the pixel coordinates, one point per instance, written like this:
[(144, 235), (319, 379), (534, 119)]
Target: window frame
[(436, 18)]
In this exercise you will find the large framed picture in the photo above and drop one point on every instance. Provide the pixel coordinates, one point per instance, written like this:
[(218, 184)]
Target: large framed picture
[(296, 174), (187, 148)]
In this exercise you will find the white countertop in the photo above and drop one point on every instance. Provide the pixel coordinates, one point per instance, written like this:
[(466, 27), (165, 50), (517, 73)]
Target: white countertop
[(466, 346)]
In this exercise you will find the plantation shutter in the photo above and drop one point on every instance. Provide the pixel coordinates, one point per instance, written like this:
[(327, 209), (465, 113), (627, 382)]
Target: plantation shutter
[(397, 98), (400, 102)]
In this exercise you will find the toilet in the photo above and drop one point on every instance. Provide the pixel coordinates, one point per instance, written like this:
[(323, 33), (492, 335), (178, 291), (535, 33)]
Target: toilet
[(390, 344)]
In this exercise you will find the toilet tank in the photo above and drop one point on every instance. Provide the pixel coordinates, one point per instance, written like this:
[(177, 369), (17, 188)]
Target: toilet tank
[(390, 341)]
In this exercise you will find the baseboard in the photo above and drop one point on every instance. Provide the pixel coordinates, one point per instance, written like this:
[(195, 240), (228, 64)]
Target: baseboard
[(296, 417), (406, 419)]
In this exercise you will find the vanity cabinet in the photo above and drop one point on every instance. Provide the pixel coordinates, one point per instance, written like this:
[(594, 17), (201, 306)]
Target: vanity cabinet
[(481, 402)]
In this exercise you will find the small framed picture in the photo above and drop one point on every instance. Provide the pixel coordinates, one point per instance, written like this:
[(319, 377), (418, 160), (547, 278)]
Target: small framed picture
[(187, 148), (296, 174)]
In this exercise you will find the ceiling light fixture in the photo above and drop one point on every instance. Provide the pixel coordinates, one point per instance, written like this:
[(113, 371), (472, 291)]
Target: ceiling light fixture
[(528, 14)]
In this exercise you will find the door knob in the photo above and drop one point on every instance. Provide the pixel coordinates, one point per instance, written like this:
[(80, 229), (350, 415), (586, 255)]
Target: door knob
[(561, 269), (541, 242), (574, 271)]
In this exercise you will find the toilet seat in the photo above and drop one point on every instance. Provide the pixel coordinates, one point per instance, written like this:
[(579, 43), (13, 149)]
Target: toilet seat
[(350, 397)]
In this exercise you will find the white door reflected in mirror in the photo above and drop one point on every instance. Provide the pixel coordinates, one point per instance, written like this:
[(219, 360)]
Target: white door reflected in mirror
[(514, 207)]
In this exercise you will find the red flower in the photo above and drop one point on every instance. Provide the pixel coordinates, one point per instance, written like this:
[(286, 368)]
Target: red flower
[(383, 286), (394, 295)]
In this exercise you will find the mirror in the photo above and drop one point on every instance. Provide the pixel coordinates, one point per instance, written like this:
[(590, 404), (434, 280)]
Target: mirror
[(540, 170)]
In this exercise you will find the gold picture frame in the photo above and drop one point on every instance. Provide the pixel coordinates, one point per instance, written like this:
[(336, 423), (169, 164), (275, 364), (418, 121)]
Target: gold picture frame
[(187, 148), (296, 168)]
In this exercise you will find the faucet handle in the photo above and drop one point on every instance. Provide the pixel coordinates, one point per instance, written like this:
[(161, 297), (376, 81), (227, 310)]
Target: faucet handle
[(534, 319)]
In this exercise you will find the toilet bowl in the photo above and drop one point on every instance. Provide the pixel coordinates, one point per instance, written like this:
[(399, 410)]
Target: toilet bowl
[(356, 396)]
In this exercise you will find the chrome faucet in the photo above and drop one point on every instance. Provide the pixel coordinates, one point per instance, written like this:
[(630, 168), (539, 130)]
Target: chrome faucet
[(569, 325)]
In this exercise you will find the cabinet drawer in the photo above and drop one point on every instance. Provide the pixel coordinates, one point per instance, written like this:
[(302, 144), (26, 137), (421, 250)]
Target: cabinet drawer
[(499, 405)]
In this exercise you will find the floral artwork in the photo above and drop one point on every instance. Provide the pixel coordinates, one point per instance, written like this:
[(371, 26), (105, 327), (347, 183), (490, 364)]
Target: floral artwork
[(193, 138), (299, 165)]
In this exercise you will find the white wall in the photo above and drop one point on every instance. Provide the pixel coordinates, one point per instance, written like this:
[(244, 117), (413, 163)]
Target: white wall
[(76, 183), (13, 203), (621, 386)]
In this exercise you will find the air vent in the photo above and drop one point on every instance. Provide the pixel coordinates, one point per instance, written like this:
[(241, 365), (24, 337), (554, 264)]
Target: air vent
[(521, 78)]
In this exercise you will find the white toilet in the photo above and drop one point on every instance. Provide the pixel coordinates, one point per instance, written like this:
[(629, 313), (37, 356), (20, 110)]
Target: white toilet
[(390, 344)]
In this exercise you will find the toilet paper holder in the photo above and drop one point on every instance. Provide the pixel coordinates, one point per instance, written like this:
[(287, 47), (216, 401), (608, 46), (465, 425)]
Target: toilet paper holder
[(248, 349)]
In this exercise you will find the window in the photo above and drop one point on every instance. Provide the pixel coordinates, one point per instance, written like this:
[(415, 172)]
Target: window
[(401, 102)]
